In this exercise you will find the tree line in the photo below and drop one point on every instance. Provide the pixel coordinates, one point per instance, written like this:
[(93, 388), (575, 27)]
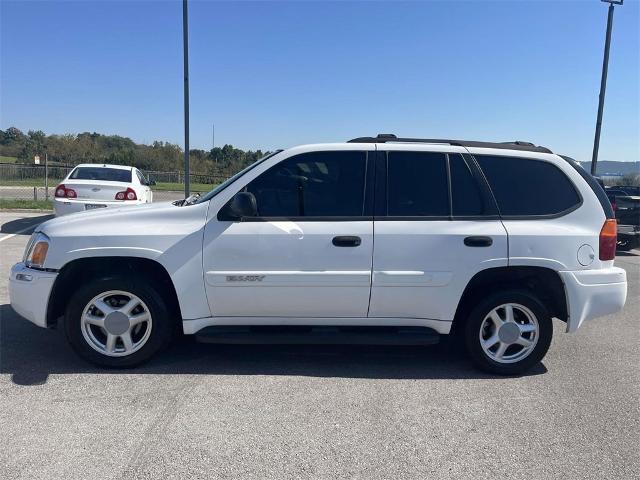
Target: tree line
[(71, 149)]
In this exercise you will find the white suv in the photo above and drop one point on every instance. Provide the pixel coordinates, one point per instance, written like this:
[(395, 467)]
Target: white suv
[(380, 240)]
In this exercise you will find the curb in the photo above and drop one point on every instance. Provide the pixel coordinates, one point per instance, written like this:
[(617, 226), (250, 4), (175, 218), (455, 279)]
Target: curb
[(26, 210)]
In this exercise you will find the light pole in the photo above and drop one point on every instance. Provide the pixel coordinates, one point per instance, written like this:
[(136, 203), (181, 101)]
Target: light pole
[(185, 54), (603, 82)]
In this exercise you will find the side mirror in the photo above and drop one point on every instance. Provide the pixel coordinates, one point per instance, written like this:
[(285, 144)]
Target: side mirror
[(243, 204), (151, 183)]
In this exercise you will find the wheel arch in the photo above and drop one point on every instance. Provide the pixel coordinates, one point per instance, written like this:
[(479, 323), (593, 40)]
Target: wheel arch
[(82, 270), (544, 282)]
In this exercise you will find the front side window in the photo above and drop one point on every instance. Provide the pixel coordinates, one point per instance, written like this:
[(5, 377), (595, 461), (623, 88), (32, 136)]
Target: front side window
[(527, 187), (103, 174), (315, 184), (417, 184)]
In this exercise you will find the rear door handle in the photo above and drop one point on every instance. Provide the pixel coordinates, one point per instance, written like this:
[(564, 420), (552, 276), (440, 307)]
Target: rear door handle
[(346, 241), (478, 241)]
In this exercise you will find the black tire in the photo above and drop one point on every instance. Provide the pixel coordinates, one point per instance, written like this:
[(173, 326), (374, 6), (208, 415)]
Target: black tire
[(471, 332), (162, 331)]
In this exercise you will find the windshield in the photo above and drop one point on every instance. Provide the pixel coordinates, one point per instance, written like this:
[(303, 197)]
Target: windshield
[(102, 174), (230, 180)]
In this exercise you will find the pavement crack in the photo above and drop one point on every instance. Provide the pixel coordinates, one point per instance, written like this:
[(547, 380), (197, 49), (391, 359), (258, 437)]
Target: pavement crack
[(156, 429)]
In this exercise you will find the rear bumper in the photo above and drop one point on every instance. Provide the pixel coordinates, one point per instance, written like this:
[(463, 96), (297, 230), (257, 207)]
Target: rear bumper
[(65, 206), (593, 293), (29, 292)]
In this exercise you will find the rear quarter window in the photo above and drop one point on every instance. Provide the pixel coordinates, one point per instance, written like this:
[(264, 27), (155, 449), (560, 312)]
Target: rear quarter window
[(528, 187)]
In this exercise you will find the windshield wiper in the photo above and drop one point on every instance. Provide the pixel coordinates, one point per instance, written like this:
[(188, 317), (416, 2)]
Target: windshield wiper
[(191, 199)]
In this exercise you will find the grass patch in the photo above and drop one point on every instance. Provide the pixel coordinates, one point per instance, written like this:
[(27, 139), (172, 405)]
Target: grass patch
[(179, 187), (29, 182), (26, 204), (176, 187), (4, 159)]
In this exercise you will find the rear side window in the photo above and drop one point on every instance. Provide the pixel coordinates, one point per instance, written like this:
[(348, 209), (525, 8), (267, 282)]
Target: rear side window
[(417, 184), (526, 187), (466, 196), (316, 184)]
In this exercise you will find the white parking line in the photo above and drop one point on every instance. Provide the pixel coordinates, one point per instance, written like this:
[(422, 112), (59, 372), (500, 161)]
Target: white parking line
[(6, 237)]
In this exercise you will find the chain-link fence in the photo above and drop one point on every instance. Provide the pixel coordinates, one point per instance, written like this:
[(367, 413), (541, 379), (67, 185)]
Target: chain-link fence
[(38, 182)]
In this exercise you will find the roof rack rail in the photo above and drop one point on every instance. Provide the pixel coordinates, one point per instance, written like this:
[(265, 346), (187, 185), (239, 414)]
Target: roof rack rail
[(516, 145)]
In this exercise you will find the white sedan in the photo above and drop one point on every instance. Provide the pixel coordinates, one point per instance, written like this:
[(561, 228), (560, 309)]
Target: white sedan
[(90, 186)]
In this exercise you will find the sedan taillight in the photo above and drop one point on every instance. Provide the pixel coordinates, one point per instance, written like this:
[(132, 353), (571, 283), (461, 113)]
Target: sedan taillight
[(128, 194), (65, 192)]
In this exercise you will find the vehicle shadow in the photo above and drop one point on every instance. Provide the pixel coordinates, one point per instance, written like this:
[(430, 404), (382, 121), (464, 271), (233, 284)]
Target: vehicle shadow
[(30, 354), (22, 226)]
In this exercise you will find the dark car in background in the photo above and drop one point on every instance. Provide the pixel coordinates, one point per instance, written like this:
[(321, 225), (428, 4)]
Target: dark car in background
[(633, 190), (627, 210)]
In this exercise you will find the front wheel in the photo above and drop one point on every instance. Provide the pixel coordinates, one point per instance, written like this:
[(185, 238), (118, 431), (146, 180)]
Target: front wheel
[(117, 322), (508, 332)]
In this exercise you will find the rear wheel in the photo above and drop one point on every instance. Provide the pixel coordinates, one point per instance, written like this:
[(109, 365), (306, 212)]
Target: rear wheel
[(117, 322), (508, 332)]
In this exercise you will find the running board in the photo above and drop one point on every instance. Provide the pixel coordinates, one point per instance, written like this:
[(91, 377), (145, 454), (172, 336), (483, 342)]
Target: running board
[(317, 335)]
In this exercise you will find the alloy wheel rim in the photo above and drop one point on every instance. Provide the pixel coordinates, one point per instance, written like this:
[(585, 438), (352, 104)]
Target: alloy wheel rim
[(116, 323), (509, 333)]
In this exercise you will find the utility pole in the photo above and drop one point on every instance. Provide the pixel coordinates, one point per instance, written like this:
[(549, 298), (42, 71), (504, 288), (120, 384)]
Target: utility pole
[(603, 82), (213, 136), (46, 174), (185, 54)]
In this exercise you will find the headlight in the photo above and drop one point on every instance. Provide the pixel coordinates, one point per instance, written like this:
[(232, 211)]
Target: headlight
[(36, 251)]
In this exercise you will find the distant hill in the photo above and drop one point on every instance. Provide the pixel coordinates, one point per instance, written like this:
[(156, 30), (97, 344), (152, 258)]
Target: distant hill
[(611, 167)]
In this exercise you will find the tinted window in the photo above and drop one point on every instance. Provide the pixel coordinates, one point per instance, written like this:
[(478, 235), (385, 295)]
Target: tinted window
[(466, 197), (528, 187), (317, 184), (417, 184), (102, 174)]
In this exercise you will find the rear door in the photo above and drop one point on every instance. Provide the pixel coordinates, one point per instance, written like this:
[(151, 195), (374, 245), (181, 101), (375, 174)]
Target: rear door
[(436, 226), (308, 253)]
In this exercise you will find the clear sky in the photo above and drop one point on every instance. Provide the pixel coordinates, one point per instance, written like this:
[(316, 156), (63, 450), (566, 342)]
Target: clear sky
[(276, 74)]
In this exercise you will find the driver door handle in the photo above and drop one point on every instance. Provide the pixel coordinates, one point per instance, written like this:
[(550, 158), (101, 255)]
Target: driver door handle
[(346, 241)]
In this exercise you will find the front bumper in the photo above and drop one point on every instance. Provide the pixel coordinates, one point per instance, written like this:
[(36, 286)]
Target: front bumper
[(29, 291), (593, 293), (65, 206)]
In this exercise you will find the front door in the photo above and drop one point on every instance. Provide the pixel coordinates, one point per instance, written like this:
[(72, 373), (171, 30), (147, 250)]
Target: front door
[(309, 251)]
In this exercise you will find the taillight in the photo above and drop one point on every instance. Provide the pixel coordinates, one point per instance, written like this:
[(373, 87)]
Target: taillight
[(64, 192), (128, 194), (608, 239)]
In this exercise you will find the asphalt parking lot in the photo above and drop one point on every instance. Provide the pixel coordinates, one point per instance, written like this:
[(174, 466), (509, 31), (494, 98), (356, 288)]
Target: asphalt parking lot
[(206, 411)]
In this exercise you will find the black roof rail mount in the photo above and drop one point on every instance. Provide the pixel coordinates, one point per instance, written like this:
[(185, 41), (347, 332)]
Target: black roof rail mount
[(515, 145)]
